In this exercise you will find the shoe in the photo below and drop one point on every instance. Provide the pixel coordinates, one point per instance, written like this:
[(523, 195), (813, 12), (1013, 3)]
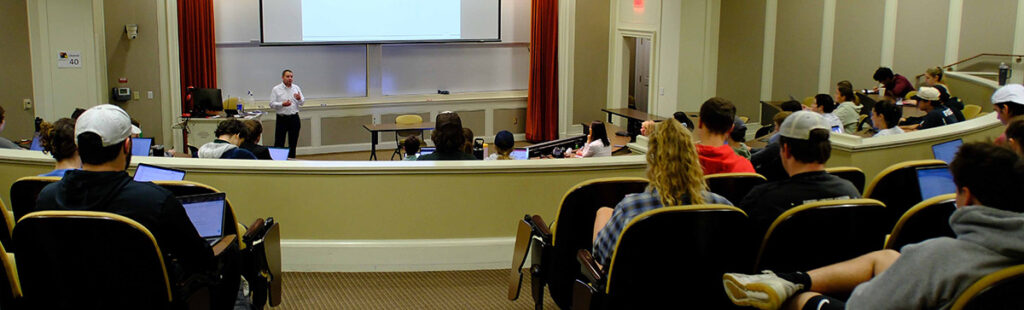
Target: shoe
[(763, 291)]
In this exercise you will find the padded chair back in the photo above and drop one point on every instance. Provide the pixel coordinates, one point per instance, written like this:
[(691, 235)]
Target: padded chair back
[(821, 233), (733, 186), (24, 192), (573, 229), (677, 255), (89, 260), (852, 174), (998, 290), (8, 229), (926, 220), (971, 111), (764, 131), (408, 119), (10, 290), (897, 187)]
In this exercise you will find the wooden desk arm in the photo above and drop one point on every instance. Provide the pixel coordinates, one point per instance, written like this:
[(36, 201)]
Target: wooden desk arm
[(223, 244), (589, 267), (540, 228)]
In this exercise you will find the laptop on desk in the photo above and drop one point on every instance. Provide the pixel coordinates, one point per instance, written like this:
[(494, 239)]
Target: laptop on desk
[(36, 144), (521, 153), (947, 150), (140, 146), (426, 151), (150, 173), (935, 181), (206, 211), (278, 153)]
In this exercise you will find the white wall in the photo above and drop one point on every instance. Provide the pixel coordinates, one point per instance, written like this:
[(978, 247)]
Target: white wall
[(66, 25)]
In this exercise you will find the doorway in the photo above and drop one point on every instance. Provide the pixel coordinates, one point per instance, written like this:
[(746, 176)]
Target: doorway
[(637, 54)]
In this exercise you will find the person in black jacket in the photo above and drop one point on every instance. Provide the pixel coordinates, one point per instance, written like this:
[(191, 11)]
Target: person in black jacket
[(252, 139)]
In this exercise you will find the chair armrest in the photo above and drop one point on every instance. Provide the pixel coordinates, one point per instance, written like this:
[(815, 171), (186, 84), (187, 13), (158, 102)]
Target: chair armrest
[(589, 266), (540, 228), (223, 244), (252, 233)]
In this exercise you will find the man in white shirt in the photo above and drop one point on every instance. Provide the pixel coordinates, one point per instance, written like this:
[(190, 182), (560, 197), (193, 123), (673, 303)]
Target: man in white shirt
[(286, 98)]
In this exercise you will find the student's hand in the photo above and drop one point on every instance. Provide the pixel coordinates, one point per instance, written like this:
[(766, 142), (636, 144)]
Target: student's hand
[(298, 96), (287, 103)]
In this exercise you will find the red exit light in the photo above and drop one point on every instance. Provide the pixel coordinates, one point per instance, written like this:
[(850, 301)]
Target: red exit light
[(638, 6)]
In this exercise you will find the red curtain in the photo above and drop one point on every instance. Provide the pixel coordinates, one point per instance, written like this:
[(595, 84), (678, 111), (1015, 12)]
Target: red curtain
[(542, 98), (196, 45)]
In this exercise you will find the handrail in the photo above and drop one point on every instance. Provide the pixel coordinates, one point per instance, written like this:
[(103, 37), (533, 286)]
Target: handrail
[(946, 67)]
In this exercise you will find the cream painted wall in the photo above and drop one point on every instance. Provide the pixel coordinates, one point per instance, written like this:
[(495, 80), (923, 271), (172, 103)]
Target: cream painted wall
[(66, 25), (16, 71), (857, 44), (797, 49), (590, 59), (137, 60), (740, 46), (987, 27), (920, 36)]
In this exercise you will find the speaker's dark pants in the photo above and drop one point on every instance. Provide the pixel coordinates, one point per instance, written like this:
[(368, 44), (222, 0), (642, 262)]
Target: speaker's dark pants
[(287, 124)]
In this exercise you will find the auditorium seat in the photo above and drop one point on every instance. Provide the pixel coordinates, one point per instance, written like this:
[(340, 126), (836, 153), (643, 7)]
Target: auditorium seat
[(553, 261), (926, 220), (669, 256), (821, 233), (733, 186), (998, 290), (971, 111), (896, 186), (8, 222), (24, 192), (10, 290), (91, 260), (401, 135), (852, 174)]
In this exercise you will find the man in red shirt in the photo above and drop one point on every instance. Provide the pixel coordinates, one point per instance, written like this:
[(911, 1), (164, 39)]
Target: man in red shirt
[(896, 86), (716, 122)]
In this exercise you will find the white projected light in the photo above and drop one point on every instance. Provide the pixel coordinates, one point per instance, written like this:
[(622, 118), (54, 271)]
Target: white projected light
[(359, 21)]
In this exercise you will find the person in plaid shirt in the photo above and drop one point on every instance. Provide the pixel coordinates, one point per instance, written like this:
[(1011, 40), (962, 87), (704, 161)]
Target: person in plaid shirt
[(676, 178)]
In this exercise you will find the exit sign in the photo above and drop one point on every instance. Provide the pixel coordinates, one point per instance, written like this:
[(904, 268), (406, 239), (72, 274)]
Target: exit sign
[(638, 5)]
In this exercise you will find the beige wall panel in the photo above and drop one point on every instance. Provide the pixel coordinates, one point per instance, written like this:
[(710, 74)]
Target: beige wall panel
[(16, 71), (474, 120), (857, 44), (740, 48), (797, 48), (136, 60), (987, 27), (304, 138), (590, 80), (920, 36), (513, 120), (345, 130)]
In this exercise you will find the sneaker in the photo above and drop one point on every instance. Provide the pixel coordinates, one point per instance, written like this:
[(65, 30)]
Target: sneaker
[(763, 291)]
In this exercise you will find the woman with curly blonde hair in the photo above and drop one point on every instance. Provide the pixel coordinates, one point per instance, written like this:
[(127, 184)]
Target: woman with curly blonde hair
[(676, 179)]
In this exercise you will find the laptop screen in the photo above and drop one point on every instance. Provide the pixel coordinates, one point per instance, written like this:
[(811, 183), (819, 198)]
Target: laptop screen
[(150, 173), (206, 212), (36, 144), (520, 154), (935, 181), (140, 146), (426, 150), (278, 153), (947, 150)]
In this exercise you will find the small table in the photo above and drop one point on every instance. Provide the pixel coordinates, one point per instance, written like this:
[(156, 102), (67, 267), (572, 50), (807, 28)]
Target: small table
[(376, 128), (635, 118)]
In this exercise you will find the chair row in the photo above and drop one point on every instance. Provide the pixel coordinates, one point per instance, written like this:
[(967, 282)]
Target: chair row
[(712, 237)]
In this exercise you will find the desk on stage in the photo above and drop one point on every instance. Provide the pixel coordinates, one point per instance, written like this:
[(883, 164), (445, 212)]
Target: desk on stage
[(635, 117), (376, 128)]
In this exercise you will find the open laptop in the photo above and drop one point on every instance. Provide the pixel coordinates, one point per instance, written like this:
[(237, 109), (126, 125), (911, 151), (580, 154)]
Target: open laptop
[(140, 146), (425, 151), (207, 214), (520, 153), (150, 173), (278, 153), (934, 181), (37, 145), (947, 150)]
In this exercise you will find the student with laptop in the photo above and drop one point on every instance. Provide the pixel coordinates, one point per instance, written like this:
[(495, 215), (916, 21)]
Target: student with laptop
[(448, 139), (886, 115), (412, 148), (1008, 104), (4, 143), (253, 134), (230, 134), (503, 142), (58, 140), (1015, 136), (103, 185)]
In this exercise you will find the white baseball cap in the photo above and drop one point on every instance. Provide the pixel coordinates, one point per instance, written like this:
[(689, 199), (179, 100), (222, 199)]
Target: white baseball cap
[(110, 122), (1009, 93), (800, 124), (927, 93)]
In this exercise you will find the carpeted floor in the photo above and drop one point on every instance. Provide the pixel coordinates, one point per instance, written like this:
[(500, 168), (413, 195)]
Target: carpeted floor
[(477, 289)]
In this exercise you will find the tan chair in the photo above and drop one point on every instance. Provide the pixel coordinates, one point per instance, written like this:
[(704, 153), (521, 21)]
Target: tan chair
[(926, 220), (971, 111), (821, 233), (998, 290), (852, 174), (733, 186), (24, 193), (401, 135), (896, 186), (744, 119), (10, 291), (93, 260), (8, 221)]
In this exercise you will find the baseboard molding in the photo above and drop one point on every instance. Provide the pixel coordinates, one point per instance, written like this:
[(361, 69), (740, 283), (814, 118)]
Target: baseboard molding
[(396, 255)]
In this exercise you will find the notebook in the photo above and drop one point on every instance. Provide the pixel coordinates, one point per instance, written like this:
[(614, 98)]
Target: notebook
[(947, 150), (206, 211), (520, 154), (140, 146), (935, 181), (278, 153), (150, 173)]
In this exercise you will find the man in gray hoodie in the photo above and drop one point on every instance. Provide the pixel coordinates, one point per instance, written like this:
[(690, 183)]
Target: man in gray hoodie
[(230, 134), (989, 229)]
